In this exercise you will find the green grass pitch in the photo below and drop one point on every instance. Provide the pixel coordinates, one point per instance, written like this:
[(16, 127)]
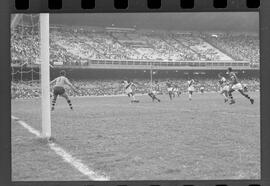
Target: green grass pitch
[(172, 140)]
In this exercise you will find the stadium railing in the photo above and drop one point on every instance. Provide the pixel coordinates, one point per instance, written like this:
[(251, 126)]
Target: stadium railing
[(161, 64), (148, 64)]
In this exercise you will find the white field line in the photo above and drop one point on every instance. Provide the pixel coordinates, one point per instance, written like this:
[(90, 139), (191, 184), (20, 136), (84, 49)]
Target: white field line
[(74, 162)]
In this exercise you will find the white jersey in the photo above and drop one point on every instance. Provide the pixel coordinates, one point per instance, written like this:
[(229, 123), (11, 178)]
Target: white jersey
[(191, 86), (128, 86), (61, 81), (223, 85), (153, 89), (222, 81)]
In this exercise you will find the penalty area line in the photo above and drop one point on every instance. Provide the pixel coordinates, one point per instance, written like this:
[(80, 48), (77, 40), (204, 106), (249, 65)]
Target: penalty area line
[(73, 161)]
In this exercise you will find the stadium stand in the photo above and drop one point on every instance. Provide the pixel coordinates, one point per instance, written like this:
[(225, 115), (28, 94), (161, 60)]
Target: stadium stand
[(76, 45), (24, 45), (239, 46)]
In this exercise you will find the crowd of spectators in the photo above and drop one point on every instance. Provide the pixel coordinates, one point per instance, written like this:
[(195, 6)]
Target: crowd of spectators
[(239, 46), (24, 45), (115, 87), (25, 90), (77, 45)]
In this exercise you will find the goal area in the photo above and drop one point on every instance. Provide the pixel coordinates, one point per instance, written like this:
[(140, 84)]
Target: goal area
[(30, 47)]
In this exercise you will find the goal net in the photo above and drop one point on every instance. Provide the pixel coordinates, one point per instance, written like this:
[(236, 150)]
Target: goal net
[(30, 67), (25, 55)]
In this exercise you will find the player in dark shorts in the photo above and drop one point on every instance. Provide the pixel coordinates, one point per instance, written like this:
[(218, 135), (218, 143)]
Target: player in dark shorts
[(153, 92), (191, 88), (59, 89), (236, 85), (202, 89), (169, 85)]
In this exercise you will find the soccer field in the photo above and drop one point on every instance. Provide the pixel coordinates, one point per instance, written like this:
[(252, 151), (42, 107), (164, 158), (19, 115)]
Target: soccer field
[(180, 139)]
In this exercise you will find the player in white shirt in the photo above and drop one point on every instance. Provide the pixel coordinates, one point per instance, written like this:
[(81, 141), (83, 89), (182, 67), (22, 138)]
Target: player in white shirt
[(176, 91), (202, 89), (191, 88), (224, 87), (128, 90), (59, 88)]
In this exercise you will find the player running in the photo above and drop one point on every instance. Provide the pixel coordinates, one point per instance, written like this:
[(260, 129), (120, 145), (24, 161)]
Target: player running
[(59, 88), (128, 90), (245, 88), (202, 89), (169, 85), (224, 87), (176, 91), (153, 91), (236, 85), (191, 88)]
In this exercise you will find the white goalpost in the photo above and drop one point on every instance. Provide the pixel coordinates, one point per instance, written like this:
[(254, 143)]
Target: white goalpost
[(38, 28), (45, 74)]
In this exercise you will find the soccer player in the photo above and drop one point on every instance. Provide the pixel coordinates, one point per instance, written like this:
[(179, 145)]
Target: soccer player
[(235, 85), (153, 92), (245, 88), (170, 88), (13, 90), (59, 88), (191, 88), (176, 91), (224, 87), (128, 90), (202, 89)]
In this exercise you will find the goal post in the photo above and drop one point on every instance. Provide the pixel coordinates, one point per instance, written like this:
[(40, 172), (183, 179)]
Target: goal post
[(35, 27), (45, 74)]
